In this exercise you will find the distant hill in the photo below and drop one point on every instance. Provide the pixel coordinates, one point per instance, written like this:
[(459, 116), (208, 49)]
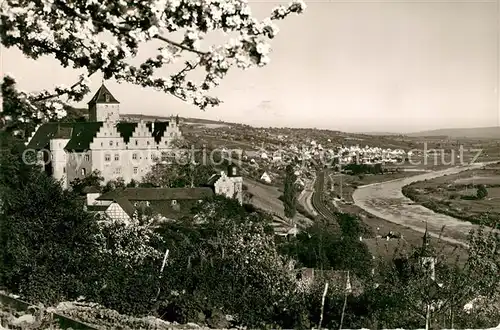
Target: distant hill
[(455, 133), (130, 116), (379, 133)]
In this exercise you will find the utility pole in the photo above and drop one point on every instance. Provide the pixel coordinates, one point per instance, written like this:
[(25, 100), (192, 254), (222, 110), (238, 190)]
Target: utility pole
[(348, 290), (341, 194), (340, 173)]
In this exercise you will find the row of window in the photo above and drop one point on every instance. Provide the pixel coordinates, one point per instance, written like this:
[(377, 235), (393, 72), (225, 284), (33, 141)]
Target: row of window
[(117, 170), (107, 157), (172, 134), (136, 142)]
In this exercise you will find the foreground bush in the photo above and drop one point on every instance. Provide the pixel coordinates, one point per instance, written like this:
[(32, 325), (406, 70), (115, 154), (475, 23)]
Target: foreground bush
[(226, 265)]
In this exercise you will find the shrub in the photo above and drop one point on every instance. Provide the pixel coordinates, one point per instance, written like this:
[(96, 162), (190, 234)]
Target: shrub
[(482, 192)]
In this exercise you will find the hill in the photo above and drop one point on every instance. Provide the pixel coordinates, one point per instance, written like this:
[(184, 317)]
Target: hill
[(471, 133)]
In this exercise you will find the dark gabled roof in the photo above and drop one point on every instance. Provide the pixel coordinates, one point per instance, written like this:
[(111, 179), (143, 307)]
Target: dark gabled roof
[(103, 95), (159, 129), (126, 130), (157, 194), (213, 179), (83, 135), (125, 205), (49, 131), (123, 202)]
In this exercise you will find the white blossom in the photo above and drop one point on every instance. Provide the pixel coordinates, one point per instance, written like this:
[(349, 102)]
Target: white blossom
[(41, 27)]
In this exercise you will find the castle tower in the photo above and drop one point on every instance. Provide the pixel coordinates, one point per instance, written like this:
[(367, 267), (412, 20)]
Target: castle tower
[(104, 106)]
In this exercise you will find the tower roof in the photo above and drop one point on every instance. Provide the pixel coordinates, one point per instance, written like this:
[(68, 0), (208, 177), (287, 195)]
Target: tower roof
[(103, 95)]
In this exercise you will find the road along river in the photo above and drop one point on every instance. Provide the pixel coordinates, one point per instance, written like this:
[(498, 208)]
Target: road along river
[(386, 200)]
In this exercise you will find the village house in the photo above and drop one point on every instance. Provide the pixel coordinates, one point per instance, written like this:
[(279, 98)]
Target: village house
[(169, 203), (115, 148)]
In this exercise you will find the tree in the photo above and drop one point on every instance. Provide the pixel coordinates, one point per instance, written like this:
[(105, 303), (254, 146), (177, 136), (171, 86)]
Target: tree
[(118, 184), (290, 193), (94, 180), (73, 33), (225, 262), (482, 192), (178, 175), (405, 288), (18, 117), (45, 235), (321, 246)]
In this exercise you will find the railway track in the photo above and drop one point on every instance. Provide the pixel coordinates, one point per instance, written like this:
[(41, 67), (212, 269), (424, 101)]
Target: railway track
[(317, 197)]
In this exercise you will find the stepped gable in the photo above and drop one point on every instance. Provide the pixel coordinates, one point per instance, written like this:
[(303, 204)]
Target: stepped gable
[(158, 129), (46, 132), (126, 130), (83, 134)]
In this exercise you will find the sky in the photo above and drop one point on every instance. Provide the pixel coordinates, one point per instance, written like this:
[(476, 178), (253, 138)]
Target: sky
[(386, 66)]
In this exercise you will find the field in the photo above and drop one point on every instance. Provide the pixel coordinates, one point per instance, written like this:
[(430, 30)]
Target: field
[(455, 195), (266, 197)]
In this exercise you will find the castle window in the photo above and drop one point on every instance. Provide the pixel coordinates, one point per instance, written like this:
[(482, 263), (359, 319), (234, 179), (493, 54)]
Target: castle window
[(148, 142), (87, 158), (110, 143), (83, 172), (117, 157), (134, 156), (64, 169), (102, 144), (107, 157), (136, 142), (135, 170)]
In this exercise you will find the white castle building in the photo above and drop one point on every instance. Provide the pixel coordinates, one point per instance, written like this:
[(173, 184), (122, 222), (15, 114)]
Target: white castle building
[(116, 149)]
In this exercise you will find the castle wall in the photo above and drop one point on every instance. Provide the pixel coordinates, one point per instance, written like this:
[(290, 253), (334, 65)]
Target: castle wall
[(58, 160), (116, 159), (78, 165)]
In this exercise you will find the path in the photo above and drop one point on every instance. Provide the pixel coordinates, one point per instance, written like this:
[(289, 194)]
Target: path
[(386, 200)]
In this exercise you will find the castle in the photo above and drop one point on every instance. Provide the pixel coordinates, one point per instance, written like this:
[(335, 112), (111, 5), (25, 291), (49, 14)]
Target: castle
[(116, 149)]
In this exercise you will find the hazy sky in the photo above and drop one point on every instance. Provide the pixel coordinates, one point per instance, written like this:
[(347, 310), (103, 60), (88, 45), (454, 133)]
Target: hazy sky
[(349, 65)]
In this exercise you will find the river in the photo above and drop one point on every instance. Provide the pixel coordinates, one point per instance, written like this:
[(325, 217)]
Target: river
[(386, 200)]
